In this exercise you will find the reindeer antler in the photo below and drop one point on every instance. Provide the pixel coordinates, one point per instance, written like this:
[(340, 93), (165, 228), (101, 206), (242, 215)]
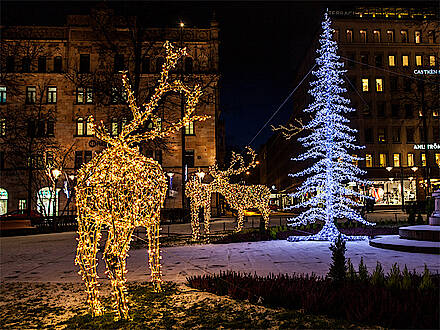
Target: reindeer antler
[(139, 116), (236, 159)]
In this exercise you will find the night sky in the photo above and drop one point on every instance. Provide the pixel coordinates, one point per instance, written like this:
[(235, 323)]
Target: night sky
[(262, 43)]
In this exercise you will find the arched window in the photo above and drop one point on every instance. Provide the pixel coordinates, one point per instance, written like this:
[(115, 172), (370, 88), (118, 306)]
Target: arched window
[(159, 63), (80, 127), (47, 201), (3, 201), (89, 128), (188, 65)]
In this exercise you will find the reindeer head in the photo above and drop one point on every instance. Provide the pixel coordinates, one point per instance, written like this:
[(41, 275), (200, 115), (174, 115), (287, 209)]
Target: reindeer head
[(236, 167), (145, 113)]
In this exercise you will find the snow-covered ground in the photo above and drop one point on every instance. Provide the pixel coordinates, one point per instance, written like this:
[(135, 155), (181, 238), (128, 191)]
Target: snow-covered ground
[(50, 258)]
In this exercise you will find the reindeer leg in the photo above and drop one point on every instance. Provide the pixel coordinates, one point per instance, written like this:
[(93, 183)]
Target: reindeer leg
[(240, 218), (195, 222), (207, 216), (89, 234), (115, 254), (153, 232)]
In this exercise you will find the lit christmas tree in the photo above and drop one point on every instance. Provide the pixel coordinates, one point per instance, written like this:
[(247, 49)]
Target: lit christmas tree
[(328, 145)]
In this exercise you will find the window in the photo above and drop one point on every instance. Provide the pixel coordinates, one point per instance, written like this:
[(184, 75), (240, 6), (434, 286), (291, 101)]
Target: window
[(2, 94), (410, 159), (26, 65), (351, 58), (364, 58), (395, 111), (409, 111), (159, 63), (365, 84), (422, 134), (381, 109), (40, 128), (436, 134), (405, 60), (51, 95), (119, 64), (89, 127), (50, 128), (390, 35), (31, 94), (376, 35), (119, 96), (378, 60), (189, 158), (355, 162), (84, 95), (87, 156), (381, 135), (368, 160), (418, 60), (382, 160), (437, 159), (349, 35), (57, 64), (2, 127), (435, 113), (114, 127), (396, 160), (423, 159), (396, 134), (84, 63), (49, 159), (432, 60), (145, 67), (10, 64), (336, 34), (393, 83), (363, 36), (391, 60), (379, 85), (80, 127), (369, 135), (22, 205), (410, 134), (417, 37), (78, 159), (79, 95), (431, 36), (188, 65), (404, 36), (42, 64), (189, 128)]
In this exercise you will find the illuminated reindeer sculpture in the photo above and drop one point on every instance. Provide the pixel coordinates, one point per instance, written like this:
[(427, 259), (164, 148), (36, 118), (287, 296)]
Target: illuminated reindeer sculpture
[(200, 196), (241, 197), (121, 189)]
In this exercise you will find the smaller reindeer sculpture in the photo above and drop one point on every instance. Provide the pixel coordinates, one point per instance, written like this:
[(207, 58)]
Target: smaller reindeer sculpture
[(199, 194), (121, 189), (241, 197)]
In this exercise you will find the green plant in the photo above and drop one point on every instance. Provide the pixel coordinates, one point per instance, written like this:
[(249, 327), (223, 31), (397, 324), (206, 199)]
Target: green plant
[(363, 271), (393, 280), (351, 273), (377, 278), (426, 283), (406, 279), (338, 267)]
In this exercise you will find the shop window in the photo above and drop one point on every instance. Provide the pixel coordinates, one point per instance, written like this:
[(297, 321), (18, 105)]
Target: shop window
[(57, 64), (2, 94), (437, 159), (51, 95), (376, 35), (405, 60), (432, 60), (396, 160), (84, 63), (22, 205), (382, 160), (379, 85), (26, 65), (381, 134), (368, 160), (381, 109), (47, 201), (145, 65), (349, 35), (394, 83), (410, 134), (42, 64), (189, 128), (396, 134), (404, 36), (189, 158), (31, 94), (378, 60), (391, 60), (390, 35), (410, 159), (419, 60), (10, 64), (423, 159), (363, 36), (118, 63), (365, 85), (3, 201), (417, 37)]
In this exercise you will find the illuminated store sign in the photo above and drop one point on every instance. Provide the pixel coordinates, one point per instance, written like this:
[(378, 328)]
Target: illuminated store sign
[(431, 146), (431, 71)]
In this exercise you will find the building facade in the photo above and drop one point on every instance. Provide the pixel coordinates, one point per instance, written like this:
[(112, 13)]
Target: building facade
[(54, 78), (392, 60)]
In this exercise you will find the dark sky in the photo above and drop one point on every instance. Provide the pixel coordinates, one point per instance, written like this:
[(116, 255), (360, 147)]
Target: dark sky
[(261, 45)]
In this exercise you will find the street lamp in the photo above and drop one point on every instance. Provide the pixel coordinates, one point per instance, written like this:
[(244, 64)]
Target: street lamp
[(55, 174)]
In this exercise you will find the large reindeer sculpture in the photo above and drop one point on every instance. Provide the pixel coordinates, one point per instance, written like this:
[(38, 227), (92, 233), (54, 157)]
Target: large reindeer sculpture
[(122, 189)]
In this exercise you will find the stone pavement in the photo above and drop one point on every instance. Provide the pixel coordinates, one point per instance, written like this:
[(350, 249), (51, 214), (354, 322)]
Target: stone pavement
[(50, 258)]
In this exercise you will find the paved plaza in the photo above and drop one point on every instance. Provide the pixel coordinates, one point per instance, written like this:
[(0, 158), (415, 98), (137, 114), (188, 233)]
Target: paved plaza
[(50, 258)]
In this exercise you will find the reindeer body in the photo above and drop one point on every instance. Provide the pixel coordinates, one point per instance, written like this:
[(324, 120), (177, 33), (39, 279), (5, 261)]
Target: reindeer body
[(200, 197)]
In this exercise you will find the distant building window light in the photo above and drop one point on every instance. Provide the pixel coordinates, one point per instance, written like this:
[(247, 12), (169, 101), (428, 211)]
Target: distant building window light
[(418, 60), (363, 35), (365, 84), (376, 35), (405, 60), (379, 85), (396, 160), (432, 60), (423, 159), (2, 94), (349, 35), (418, 37), (51, 95), (404, 36), (382, 160), (368, 160), (390, 35), (391, 60), (410, 159)]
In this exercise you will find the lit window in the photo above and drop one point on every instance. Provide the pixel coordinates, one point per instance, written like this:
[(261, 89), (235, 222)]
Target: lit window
[(2, 127), (31, 95), (405, 60), (418, 60), (189, 128), (355, 161), (390, 35), (404, 35), (376, 35), (417, 37), (381, 134), (349, 35), (431, 60), (396, 160), (435, 113), (369, 160), (89, 95), (80, 95), (410, 159), (423, 158), (89, 128), (114, 127), (2, 94), (379, 85), (80, 127), (437, 159), (391, 60), (363, 35), (51, 95), (365, 84), (382, 160), (22, 205)]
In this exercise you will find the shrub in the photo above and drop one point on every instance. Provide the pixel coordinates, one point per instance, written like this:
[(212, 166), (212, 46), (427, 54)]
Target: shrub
[(377, 278), (394, 279), (338, 267), (363, 271), (426, 283), (351, 273), (406, 279)]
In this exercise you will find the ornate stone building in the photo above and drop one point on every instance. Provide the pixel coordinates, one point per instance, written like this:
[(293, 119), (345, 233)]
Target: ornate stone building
[(54, 78)]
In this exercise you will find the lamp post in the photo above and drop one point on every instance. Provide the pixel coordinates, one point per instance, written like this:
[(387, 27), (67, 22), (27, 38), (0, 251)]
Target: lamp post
[(414, 169), (182, 110), (55, 174)]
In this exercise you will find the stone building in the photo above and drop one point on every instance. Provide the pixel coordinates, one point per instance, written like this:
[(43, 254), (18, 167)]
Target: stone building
[(392, 60), (53, 78)]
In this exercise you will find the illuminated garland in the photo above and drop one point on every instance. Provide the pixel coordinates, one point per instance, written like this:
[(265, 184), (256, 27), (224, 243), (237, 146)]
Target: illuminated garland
[(327, 145), (122, 189)]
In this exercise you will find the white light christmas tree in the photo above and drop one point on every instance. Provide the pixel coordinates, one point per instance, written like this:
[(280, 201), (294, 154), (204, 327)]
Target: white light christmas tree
[(328, 145)]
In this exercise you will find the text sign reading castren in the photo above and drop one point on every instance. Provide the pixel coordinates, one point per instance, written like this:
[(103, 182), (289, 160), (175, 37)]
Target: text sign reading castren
[(431, 71)]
